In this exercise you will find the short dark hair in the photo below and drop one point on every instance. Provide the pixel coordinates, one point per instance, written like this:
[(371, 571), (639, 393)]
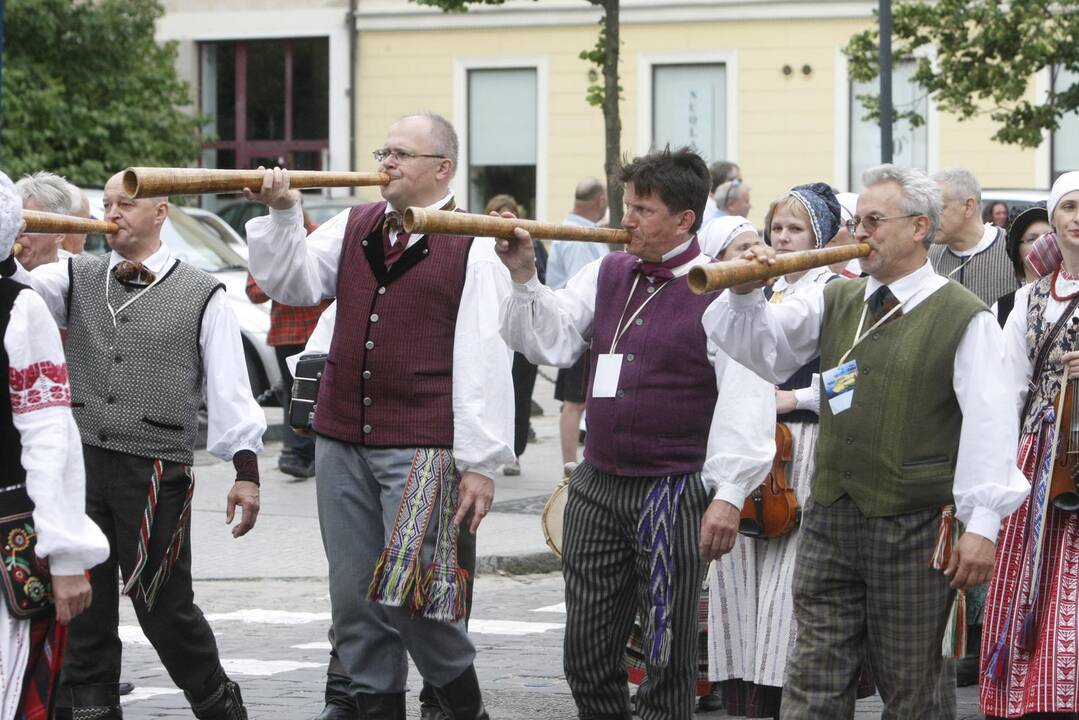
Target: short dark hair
[(679, 178), (723, 171)]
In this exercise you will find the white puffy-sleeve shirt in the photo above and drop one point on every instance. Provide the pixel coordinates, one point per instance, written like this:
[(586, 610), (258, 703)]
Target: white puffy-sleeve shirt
[(776, 340), (51, 447), (300, 269), (554, 327)]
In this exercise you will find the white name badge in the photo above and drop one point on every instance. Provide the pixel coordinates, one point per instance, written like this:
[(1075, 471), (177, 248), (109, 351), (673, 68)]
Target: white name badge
[(839, 385), (608, 368)]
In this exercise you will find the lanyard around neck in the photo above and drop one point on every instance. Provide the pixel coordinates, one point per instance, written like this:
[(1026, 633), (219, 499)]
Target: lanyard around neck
[(860, 336), (136, 296), (621, 329)]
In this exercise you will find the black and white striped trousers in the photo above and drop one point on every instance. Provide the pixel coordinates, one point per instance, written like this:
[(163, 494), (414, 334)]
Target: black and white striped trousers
[(607, 584)]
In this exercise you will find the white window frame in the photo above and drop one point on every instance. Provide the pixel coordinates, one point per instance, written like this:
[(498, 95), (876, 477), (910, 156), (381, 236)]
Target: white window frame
[(646, 63), (461, 67), (841, 169)]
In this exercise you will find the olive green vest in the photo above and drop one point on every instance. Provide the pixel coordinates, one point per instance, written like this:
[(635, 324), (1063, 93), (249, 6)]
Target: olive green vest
[(894, 451)]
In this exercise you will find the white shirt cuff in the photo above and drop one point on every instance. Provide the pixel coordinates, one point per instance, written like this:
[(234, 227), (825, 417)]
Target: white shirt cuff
[(63, 564), (805, 398), (529, 288), (289, 216), (984, 522), (746, 301), (732, 493)]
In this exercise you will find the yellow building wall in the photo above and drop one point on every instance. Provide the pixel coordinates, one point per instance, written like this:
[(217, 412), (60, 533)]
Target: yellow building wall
[(786, 125)]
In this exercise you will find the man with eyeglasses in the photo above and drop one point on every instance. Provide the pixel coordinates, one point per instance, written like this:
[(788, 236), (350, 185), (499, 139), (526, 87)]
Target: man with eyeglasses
[(415, 414), (916, 431)]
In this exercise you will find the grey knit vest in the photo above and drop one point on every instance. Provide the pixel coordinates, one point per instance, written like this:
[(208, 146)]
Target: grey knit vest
[(988, 274), (136, 382)]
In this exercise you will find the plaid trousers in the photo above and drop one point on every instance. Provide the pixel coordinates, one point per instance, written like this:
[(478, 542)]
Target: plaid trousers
[(863, 587), (607, 585)]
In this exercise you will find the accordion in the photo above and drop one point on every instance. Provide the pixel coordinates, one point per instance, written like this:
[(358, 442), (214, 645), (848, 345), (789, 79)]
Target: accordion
[(301, 409)]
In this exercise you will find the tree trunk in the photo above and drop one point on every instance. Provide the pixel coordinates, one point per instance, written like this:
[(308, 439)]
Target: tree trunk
[(611, 120)]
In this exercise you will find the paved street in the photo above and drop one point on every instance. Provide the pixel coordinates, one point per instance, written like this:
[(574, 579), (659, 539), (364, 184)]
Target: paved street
[(266, 597)]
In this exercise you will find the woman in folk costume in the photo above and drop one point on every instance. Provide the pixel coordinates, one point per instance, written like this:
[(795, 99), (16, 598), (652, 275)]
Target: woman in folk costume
[(43, 526), (752, 611), (1030, 656)]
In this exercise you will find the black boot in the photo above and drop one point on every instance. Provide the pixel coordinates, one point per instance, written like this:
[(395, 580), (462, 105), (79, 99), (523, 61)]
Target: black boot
[(339, 702), (389, 706), (92, 702), (461, 698), (222, 702), (429, 707)]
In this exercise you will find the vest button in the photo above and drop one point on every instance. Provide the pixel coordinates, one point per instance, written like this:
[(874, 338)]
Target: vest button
[(374, 317), (876, 336), (366, 374), (621, 393), (847, 475), (639, 321), (367, 401), (364, 243), (370, 344), (123, 318), (850, 440), (103, 436), (110, 399), (865, 371), (651, 289), (382, 291), (630, 357), (366, 429), (117, 358)]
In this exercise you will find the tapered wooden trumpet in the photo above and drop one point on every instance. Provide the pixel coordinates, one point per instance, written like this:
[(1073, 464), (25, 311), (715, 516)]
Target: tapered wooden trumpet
[(144, 182), (444, 222), (45, 222), (714, 277)]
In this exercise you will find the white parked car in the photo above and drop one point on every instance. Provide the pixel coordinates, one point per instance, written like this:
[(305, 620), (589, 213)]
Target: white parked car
[(193, 243)]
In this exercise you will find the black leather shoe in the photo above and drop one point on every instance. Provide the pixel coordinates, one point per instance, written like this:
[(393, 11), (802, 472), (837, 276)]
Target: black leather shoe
[(381, 707), (712, 701), (333, 711), (461, 698), (966, 671), (296, 467), (432, 712), (224, 702), (126, 688)]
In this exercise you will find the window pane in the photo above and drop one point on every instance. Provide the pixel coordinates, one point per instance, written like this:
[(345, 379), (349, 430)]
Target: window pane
[(501, 117), (689, 108), (311, 89), (266, 91), (910, 144), (1066, 137), (218, 97), (516, 180)]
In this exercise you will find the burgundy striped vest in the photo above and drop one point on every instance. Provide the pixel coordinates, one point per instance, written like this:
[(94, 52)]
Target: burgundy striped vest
[(658, 423), (389, 373)]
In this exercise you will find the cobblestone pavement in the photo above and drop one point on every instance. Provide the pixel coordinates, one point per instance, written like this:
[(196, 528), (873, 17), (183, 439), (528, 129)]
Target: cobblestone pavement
[(266, 598)]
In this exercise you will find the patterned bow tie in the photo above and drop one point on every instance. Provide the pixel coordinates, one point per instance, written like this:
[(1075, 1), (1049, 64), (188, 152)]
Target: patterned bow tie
[(133, 274), (655, 271), (883, 302)]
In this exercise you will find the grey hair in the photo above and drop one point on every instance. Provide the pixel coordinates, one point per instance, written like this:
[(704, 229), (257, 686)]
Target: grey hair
[(50, 191), (442, 133), (921, 195), (959, 184), (588, 190)]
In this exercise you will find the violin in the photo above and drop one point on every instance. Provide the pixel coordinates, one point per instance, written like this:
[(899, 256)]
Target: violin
[(1063, 488), (772, 510)]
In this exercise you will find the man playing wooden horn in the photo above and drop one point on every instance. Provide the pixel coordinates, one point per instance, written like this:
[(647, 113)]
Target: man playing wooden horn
[(146, 332), (415, 414), (678, 435), (914, 418)]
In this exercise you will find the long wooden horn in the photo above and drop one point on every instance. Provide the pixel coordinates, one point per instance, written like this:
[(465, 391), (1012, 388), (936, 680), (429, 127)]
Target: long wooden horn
[(45, 222), (144, 182), (714, 277), (444, 222)]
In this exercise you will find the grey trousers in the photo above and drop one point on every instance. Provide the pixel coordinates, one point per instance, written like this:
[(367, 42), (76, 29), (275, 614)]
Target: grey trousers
[(863, 586), (359, 492), (608, 584)]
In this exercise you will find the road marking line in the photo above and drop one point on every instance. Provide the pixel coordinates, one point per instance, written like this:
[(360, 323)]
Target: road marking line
[(510, 627), (132, 635), (251, 666), (269, 617), (559, 608), (145, 693), (320, 645)]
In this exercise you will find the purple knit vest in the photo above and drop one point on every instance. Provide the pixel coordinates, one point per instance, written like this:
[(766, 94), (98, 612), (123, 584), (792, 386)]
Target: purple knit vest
[(658, 424), (389, 374)]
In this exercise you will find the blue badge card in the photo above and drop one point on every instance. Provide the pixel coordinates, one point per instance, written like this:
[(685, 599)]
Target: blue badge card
[(839, 385)]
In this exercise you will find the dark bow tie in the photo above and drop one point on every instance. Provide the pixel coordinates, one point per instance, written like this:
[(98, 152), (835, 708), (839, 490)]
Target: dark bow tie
[(655, 271), (134, 274)]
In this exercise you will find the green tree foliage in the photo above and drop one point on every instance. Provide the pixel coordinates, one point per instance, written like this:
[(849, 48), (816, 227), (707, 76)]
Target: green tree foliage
[(605, 94), (977, 56), (87, 91)]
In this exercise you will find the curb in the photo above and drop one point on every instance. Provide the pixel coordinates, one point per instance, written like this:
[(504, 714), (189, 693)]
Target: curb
[(529, 564)]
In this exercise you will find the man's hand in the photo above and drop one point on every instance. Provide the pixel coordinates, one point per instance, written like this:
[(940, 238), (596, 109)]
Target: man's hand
[(71, 595), (761, 254), (972, 561), (275, 190), (517, 254), (474, 497), (719, 529), (1071, 359), (245, 494)]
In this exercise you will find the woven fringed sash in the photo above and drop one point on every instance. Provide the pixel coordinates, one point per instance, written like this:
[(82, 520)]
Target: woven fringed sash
[(1024, 616), (655, 534), (954, 644), (439, 593), (134, 586)]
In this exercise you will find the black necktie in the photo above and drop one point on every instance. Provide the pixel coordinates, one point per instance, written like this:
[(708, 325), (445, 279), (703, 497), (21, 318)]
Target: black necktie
[(883, 302)]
